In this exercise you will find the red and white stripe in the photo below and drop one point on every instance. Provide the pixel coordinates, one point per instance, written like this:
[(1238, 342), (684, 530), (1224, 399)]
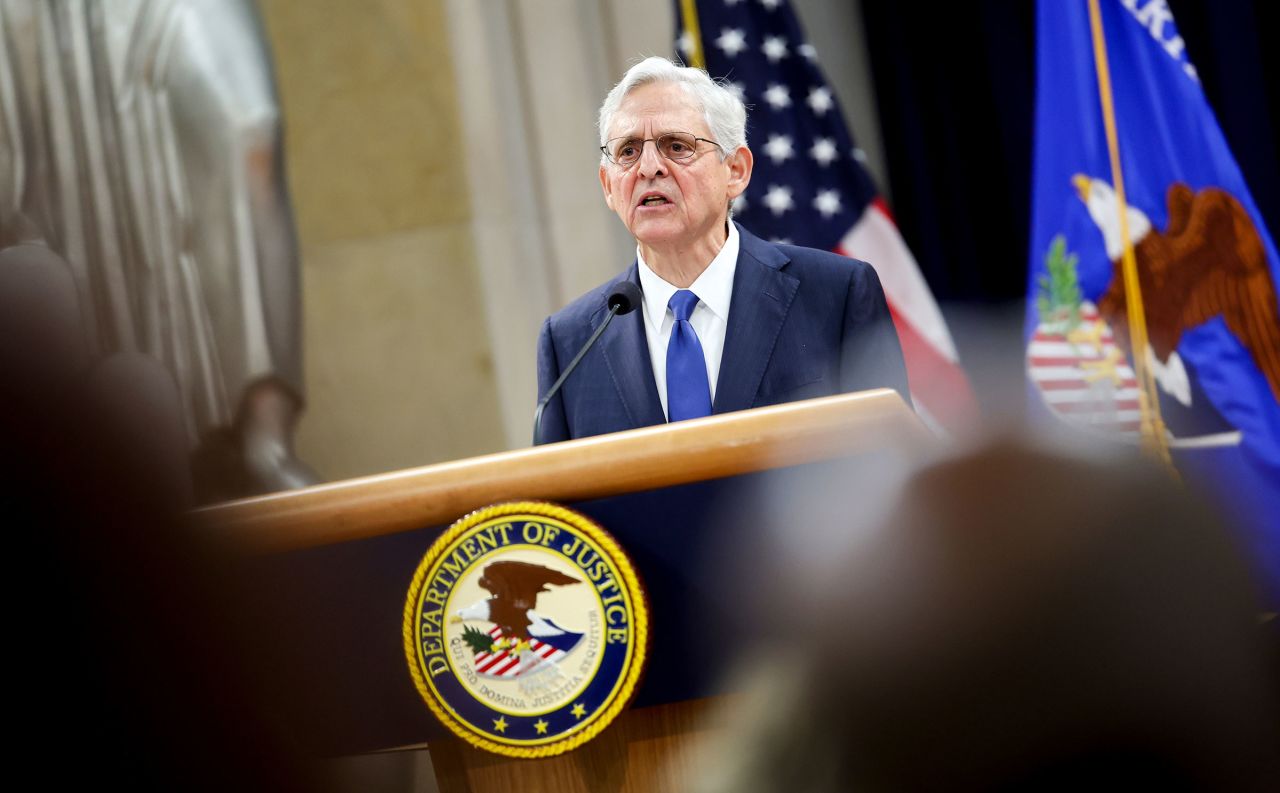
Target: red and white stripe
[(505, 666), (939, 386), (1060, 372)]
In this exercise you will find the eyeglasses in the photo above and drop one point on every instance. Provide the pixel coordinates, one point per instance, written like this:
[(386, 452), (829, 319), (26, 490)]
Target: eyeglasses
[(673, 146)]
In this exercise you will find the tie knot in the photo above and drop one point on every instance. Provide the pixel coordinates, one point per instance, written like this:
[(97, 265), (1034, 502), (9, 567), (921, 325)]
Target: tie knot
[(682, 304)]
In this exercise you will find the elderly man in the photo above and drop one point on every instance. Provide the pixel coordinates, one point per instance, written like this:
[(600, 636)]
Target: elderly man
[(728, 321)]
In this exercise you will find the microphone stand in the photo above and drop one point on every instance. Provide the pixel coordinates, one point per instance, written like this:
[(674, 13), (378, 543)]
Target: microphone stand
[(555, 388)]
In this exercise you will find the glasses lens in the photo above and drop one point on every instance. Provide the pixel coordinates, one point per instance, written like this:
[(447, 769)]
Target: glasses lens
[(677, 145), (624, 151), (673, 146)]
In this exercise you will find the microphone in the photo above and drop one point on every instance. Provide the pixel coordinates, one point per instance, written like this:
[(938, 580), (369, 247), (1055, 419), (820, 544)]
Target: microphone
[(624, 299)]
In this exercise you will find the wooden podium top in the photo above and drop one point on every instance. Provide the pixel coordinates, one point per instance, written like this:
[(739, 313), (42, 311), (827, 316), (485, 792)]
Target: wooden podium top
[(623, 462), (336, 614)]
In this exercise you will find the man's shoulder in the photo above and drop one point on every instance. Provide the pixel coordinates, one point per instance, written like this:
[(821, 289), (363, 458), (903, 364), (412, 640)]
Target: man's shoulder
[(809, 262), (579, 312)]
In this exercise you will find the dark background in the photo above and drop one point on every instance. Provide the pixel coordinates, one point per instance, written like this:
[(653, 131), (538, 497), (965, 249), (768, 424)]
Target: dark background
[(955, 91), (955, 88)]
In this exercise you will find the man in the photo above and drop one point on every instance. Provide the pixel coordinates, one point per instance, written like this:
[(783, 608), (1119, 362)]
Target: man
[(728, 321)]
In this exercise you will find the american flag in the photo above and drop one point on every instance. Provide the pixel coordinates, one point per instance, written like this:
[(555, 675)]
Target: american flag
[(809, 187)]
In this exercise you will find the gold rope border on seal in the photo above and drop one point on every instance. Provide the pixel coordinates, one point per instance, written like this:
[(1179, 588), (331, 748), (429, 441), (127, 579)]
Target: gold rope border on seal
[(639, 621)]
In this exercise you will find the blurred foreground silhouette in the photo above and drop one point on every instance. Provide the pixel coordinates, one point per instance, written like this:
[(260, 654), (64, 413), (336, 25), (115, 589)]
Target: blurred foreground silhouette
[(1014, 618), (138, 660)]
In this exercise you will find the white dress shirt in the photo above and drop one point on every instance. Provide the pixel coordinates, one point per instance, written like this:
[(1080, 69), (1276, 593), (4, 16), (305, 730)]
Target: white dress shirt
[(710, 318)]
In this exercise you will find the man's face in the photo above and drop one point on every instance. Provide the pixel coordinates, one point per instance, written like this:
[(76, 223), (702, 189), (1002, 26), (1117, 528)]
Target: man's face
[(671, 204)]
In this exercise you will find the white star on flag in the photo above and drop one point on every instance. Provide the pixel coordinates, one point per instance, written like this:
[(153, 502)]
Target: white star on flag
[(685, 42), (777, 96), (810, 185), (778, 199), (823, 151), (779, 148), (820, 100), (827, 202), (731, 41), (775, 48)]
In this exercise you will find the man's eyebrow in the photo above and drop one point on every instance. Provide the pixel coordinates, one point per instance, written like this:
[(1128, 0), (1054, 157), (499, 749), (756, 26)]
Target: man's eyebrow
[(639, 135)]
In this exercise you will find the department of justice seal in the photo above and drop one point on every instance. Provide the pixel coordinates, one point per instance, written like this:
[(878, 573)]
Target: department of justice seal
[(526, 629)]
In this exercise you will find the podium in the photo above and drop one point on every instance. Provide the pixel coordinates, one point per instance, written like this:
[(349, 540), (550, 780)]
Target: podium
[(332, 565)]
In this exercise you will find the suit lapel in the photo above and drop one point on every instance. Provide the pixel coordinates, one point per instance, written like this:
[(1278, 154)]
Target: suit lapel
[(626, 353), (762, 296)]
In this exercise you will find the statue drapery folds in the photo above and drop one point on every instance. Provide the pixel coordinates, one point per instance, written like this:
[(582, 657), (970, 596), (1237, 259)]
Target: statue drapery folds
[(141, 140)]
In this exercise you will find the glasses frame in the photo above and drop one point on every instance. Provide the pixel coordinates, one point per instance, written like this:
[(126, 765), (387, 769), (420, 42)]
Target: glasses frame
[(693, 152)]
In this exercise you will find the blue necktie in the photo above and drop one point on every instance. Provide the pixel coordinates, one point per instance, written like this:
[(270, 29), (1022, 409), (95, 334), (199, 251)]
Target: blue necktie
[(688, 393)]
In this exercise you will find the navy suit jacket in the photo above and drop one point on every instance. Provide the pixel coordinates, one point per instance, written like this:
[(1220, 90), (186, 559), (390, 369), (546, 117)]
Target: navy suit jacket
[(802, 323)]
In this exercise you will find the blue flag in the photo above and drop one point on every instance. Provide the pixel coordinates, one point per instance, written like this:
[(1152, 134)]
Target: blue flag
[(1206, 265)]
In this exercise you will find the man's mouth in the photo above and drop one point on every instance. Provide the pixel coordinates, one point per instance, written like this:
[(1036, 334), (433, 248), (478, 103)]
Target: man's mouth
[(654, 200)]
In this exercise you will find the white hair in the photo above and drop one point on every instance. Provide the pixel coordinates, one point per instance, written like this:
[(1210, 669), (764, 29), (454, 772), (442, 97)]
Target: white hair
[(724, 112)]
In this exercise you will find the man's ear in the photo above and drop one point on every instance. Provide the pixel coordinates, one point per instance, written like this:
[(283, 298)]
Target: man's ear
[(604, 185), (740, 164)]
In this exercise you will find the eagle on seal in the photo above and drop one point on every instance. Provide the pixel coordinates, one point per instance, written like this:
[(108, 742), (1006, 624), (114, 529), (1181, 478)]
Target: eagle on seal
[(515, 587), (1208, 262)]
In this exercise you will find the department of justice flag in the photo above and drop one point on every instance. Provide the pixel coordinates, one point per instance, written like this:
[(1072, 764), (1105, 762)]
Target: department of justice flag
[(1206, 267), (809, 187)]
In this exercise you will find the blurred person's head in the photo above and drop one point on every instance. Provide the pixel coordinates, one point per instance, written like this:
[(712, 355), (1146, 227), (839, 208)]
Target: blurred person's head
[(135, 660), (1021, 620)]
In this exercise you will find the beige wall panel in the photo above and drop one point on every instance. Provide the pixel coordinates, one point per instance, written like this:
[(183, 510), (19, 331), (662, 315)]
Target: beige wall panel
[(371, 117), (513, 253), (531, 76), (397, 359), (635, 31), (562, 120)]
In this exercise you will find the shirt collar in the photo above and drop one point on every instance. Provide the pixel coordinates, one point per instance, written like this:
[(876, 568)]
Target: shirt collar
[(714, 287)]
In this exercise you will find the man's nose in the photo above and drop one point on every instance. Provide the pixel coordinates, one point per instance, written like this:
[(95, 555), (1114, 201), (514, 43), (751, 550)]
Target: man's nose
[(651, 162)]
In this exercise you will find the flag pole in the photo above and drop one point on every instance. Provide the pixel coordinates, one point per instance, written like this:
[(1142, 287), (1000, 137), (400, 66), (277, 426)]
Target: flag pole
[(689, 13), (1152, 426)]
